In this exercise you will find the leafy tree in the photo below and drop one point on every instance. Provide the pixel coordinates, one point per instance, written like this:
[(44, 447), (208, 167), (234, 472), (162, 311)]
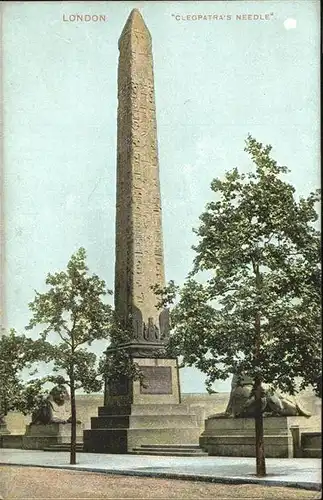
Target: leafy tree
[(259, 310), (73, 310), (17, 352)]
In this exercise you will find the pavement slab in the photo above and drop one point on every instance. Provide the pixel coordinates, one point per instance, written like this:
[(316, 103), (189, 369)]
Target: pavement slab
[(294, 472)]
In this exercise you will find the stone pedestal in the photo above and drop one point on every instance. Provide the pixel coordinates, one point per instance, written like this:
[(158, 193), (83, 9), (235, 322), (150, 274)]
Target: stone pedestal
[(159, 386), (3, 432), (38, 437), (142, 413), (235, 437)]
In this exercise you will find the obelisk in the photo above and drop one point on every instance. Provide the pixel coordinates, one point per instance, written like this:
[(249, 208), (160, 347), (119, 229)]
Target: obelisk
[(139, 244), (139, 412)]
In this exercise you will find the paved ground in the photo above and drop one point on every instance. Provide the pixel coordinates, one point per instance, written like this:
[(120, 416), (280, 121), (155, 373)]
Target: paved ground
[(300, 473), (27, 483)]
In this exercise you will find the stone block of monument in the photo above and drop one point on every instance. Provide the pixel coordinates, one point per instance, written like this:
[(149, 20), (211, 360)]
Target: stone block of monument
[(235, 437), (38, 437), (50, 424), (133, 413), (232, 432), (3, 427)]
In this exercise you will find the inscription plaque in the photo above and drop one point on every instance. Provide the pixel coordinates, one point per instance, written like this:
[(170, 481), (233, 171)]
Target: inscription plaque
[(157, 379)]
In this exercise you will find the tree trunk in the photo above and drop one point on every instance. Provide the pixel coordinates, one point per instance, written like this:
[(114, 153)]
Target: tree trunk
[(259, 427), (73, 423), (259, 422)]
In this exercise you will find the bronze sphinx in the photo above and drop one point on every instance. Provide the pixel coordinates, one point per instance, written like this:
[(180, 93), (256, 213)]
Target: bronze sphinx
[(242, 402), (54, 409)]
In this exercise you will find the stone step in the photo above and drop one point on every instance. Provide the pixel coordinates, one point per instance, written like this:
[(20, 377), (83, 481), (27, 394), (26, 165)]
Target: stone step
[(78, 443), (173, 446), (138, 451), (143, 421), (63, 447), (144, 409), (170, 450)]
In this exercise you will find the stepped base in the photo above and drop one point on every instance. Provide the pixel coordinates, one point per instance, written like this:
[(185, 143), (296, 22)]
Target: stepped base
[(121, 429), (142, 412)]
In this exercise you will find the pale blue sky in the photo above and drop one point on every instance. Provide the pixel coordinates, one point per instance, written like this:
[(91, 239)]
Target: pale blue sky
[(215, 81)]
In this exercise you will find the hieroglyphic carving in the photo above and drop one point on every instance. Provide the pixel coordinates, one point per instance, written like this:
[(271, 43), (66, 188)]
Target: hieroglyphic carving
[(139, 245), (145, 331)]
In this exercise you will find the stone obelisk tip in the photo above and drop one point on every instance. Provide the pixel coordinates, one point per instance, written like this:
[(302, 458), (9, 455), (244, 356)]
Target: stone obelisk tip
[(134, 23)]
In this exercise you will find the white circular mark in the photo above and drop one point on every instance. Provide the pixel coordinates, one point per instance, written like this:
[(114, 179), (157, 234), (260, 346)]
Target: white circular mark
[(290, 23)]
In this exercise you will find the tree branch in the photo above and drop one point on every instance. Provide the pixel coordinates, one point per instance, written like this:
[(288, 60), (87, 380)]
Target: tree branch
[(64, 339)]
